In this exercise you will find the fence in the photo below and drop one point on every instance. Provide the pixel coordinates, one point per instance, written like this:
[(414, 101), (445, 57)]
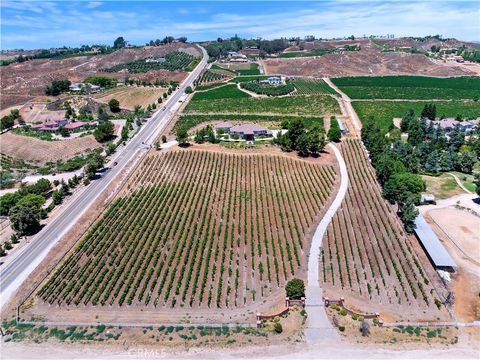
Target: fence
[(327, 302), (288, 304)]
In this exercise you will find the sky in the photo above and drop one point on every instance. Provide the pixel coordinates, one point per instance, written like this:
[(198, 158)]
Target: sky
[(37, 24)]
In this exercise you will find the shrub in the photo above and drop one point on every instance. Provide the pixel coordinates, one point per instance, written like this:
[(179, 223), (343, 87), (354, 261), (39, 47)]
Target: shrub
[(343, 312), (341, 328), (295, 289), (278, 328)]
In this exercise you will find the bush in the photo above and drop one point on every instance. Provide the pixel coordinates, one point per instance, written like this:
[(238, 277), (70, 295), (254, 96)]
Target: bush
[(295, 289), (114, 105), (278, 328), (341, 328), (343, 312)]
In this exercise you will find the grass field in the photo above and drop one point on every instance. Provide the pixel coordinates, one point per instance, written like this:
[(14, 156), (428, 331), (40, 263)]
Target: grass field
[(443, 186), (196, 229), (239, 68), (189, 121), (409, 87), (384, 111), (315, 105), (249, 78), (229, 91), (130, 96)]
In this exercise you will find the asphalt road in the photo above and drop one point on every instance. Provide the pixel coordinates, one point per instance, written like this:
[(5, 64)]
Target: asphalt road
[(14, 272)]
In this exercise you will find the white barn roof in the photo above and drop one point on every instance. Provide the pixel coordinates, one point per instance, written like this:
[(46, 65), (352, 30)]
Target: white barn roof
[(432, 244)]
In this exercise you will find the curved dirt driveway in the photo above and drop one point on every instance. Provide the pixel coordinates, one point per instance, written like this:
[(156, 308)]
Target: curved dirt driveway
[(318, 325)]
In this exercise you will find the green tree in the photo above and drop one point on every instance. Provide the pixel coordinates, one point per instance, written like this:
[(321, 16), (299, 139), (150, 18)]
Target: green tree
[(415, 132), (32, 199), (104, 131), (188, 90), (431, 165), (295, 289), (466, 161), (303, 145), (386, 167), (94, 163), (404, 186), (119, 43), (57, 87), (182, 137), (476, 181), (316, 140), (408, 214), (114, 105), (25, 218), (334, 134), (7, 122), (405, 123), (277, 327), (8, 201)]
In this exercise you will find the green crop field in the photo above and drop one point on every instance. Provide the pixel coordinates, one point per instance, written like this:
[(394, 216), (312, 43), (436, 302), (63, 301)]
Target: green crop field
[(384, 111), (229, 91), (314, 52), (409, 87), (189, 121), (289, 105), (252, 71), (173, 61), (312, 87), (249, 78)]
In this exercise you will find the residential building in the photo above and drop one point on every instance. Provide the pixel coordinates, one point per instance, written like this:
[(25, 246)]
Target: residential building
[(249, 131)]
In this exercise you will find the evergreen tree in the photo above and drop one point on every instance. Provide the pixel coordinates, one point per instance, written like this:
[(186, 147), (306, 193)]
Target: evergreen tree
[(431, 165)]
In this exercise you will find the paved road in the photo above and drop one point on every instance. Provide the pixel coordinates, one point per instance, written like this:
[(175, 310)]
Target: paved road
[(13, 273), (318, 325)]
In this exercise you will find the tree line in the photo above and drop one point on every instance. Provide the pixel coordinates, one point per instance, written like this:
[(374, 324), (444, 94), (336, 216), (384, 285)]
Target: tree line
[(428, 150)]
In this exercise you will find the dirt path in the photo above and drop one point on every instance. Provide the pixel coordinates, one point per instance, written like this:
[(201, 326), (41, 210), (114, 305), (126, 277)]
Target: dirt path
[(318, 325), (459, 183), (346, 105)]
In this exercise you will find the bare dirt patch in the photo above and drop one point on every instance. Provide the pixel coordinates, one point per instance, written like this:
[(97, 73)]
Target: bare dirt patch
[(21, 82), (39, 151), (129, 97), (368, 61)]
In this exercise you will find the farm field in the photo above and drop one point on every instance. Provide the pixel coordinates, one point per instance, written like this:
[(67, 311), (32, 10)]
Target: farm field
[(229, 91), (409, 87), (189, 121), (239, 68), (130, 96), (41, 152), (173, 61), (306, 86), (313, 52), (249, 78), (384, 111), (196, 229), (289, 105), (367, 257), (209, 77)]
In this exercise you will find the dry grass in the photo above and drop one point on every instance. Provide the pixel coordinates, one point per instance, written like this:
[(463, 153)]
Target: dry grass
[(129, 97)]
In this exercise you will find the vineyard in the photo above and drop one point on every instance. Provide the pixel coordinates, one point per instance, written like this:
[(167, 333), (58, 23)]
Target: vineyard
[(268, 90), (209, 76), (366, 254), (306, 86), (177, 60), (197, 229), (383, 112), (409, 87)]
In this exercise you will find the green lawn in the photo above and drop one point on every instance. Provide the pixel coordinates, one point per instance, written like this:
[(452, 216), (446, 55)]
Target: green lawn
[(290, 105), (384, 111), (409, 87), (189, 121)]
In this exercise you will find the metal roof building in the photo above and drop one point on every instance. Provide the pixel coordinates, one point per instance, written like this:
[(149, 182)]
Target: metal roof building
[(432, 245)]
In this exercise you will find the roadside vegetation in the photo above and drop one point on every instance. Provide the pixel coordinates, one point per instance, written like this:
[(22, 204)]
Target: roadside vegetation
[(177, 60)]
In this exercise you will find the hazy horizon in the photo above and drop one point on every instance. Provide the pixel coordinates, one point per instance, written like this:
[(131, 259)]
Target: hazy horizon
[(51, 24)]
